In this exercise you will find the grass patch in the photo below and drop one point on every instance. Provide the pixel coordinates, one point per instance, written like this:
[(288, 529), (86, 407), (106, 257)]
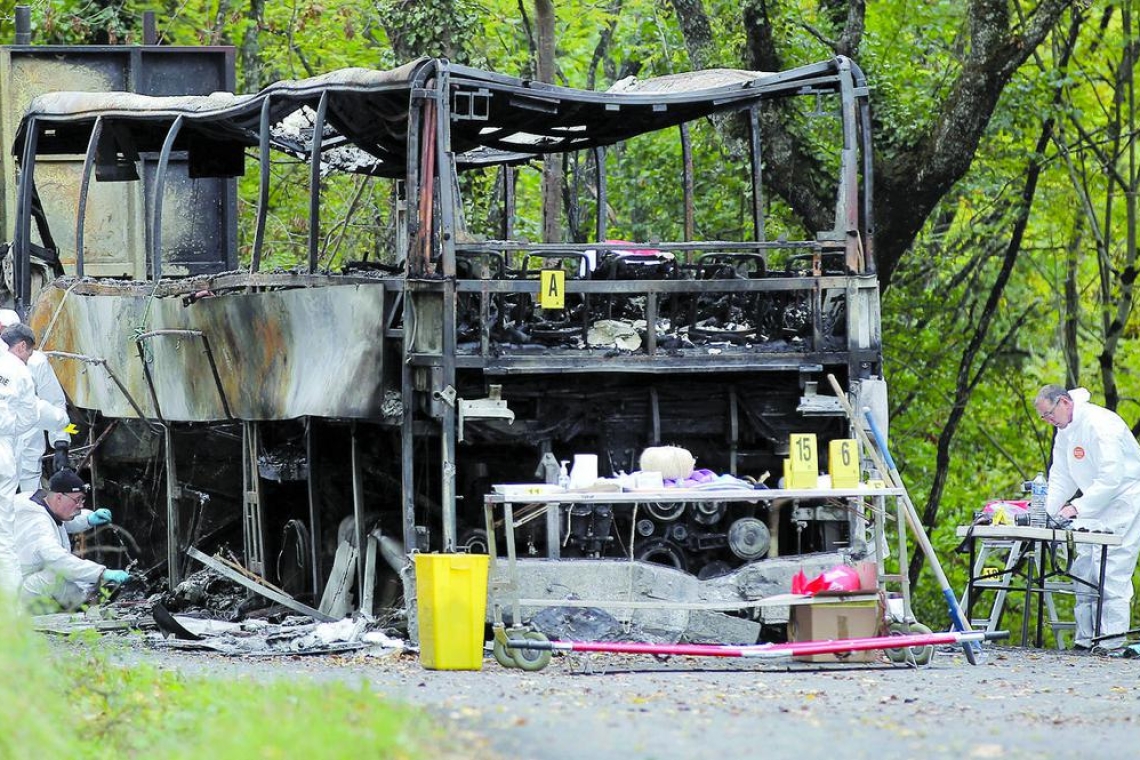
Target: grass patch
[(81, 706)]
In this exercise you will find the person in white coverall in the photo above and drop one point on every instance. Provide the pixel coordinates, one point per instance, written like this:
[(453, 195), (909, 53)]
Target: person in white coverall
[(20, 411), (29, 456), (1095, 452), (54, 578), (18, 414)]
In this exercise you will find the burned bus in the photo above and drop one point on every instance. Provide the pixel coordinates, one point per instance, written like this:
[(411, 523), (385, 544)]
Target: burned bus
[(300, 410)]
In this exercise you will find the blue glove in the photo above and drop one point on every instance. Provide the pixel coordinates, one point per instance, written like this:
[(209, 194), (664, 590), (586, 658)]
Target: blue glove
[(116, 577), (99, 517)]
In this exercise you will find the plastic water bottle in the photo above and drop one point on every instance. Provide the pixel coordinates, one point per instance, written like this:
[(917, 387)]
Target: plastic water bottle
[(1039, 489), (564, 475)]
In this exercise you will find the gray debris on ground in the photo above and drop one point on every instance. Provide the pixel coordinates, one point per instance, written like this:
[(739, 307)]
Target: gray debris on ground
[(294, 636)]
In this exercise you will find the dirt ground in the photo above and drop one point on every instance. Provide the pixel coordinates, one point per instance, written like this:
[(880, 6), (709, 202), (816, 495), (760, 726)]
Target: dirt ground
[(1015, 704)]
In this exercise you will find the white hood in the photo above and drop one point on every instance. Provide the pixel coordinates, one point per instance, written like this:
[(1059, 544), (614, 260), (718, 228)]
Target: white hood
[(1080, 395)]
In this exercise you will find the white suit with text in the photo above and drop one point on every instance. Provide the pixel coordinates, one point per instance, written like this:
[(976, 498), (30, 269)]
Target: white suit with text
[(1097, 454)]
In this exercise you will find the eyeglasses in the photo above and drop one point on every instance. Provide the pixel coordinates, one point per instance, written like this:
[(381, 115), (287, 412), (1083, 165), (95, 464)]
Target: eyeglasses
[(76, 498), (1047, 416)]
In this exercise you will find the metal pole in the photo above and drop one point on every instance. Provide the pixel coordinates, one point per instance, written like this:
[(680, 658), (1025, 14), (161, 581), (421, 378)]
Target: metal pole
[(159, 187), (445, 168), (22, 247), (358, 516), (757, 169), (408, 424), (84, 188), (263, 191), (687, 182), (173, 550), (600, 182), (314, 510), (150, 29), (315, 182), (23, 25), (253, 536)]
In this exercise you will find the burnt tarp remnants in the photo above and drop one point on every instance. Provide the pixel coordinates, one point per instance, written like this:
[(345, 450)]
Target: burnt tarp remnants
[(292, 636)]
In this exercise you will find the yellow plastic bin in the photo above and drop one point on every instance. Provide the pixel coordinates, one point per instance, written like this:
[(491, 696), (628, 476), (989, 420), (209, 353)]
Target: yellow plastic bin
[(451, 602)]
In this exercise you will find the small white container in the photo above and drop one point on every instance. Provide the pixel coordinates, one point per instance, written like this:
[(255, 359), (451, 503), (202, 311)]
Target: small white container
[(585, 470), (648, 481)]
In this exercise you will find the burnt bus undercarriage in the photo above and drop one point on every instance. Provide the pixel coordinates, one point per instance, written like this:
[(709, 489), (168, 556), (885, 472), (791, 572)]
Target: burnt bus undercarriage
[(309, 407)]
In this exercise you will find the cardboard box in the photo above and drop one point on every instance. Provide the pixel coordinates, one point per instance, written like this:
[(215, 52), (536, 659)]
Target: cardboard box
[(839, 620)]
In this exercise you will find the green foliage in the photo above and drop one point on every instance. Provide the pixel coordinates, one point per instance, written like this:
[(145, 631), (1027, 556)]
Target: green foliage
[(139, 710), (37, 715), (911, 53), (355, 214), (78, 704), (432, 27), (70, 22)]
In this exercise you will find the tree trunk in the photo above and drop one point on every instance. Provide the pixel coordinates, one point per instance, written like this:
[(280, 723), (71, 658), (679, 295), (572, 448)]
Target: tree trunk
[(1120, 287), (1071, 314), (249, 54), (552, 166), (970, 371), (696, 30)]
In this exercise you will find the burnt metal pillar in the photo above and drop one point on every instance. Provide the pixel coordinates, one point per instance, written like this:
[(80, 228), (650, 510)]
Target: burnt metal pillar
[(445, 165), (358, 519), (314, 510), (263, 187), (315, 182), (733, 429), (863, 123), (173, 492), (849, 173), (23, 25), (150, 28), (600, 189), (654, 417), (159, 188), (21, 264), (84, 188), (507, 230), (252, 512), (687, 183), (757, 169), (419, 163), (408, 433)]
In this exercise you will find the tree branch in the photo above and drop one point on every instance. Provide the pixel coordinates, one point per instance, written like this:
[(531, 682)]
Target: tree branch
[(911, 183)]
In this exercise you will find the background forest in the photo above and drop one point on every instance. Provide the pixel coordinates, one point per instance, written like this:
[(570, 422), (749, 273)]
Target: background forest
[(1005, 189)]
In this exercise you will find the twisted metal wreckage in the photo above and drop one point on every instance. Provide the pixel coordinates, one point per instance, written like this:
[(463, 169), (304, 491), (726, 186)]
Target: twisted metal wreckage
[(395, 393)]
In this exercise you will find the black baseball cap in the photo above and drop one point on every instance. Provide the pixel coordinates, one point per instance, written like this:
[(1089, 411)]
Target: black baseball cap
[(66, 481)]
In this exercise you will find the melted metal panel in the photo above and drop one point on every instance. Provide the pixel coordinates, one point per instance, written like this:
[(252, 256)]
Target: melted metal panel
[(280, 355)]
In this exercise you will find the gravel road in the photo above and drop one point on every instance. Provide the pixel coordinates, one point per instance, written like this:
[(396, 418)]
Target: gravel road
[(1016, 704)]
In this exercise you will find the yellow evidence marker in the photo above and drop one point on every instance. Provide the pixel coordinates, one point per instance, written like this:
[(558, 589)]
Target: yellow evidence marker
[(803, 464), (843, 463), (552, 289)]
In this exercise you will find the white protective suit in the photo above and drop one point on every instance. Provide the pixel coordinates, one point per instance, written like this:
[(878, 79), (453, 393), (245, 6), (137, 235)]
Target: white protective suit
[(1097, 453), (18, 414), (53, 576), (31, 451)]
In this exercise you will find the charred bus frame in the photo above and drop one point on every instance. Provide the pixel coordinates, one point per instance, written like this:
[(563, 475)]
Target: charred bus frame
[(441, 328)]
